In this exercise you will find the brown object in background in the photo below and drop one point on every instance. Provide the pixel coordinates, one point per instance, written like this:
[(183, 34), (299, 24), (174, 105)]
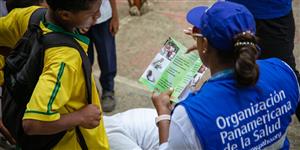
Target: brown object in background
[(138, 4), (135, 7)]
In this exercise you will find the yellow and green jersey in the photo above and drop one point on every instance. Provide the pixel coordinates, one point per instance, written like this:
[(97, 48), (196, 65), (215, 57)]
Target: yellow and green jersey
[(61, 87)]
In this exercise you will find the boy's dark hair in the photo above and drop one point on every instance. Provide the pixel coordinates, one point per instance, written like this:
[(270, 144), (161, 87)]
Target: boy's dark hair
[(12, 4), (69, 5)]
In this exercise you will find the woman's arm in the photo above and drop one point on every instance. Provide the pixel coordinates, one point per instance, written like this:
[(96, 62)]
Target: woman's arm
[(163, 107), (177, 133)]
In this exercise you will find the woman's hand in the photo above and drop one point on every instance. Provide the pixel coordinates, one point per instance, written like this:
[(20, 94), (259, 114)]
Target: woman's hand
[(189, 32), (162, 102), (190, 49)]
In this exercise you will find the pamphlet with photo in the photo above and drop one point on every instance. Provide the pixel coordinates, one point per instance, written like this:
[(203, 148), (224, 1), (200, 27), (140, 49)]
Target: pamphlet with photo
[(172, 67)]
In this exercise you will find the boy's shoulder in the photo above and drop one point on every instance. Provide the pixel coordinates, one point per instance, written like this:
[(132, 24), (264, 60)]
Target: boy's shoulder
[(68, 55)]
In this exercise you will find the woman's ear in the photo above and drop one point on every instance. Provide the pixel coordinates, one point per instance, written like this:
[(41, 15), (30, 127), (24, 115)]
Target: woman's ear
[(204, 45)]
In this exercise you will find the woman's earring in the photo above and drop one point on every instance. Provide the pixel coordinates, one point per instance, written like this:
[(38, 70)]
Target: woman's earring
[(204, 51)]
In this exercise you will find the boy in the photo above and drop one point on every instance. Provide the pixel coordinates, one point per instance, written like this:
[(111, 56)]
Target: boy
[(59, 100)]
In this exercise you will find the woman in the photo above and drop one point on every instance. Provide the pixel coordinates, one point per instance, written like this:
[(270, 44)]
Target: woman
[(245, 104)]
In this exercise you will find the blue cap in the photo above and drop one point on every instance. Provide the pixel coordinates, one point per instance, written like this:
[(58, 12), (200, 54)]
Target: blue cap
[(221, 22)]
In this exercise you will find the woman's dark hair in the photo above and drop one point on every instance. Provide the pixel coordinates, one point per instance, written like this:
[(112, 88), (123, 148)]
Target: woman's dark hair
[(245, 54), (69, 5), (12, 4)]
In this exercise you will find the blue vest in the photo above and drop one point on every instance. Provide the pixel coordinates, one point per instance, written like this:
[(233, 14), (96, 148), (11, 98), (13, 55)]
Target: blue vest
[(267, 9), (227, 117)]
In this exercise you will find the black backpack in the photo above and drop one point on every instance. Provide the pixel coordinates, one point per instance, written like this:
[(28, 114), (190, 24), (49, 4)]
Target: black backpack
[(21, 73)]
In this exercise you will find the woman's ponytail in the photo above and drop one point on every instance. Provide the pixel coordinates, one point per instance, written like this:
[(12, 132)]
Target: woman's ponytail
[(246, 69)]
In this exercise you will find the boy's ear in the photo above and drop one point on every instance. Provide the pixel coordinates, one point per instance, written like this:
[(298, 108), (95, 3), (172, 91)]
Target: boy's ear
[(65, 15)]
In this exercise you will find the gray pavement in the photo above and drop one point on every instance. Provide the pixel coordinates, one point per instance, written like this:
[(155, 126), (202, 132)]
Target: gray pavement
[(140, 38)]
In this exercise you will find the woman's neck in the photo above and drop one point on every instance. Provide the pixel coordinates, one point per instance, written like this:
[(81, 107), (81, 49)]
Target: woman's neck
[(219, 67), (216, 64)]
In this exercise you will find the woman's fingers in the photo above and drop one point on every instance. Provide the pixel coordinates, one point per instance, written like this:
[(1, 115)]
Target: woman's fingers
[(194, 47)]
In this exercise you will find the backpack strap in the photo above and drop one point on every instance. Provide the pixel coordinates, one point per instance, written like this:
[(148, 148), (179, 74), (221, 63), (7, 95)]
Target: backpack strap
[(55, 39), (37, 16)]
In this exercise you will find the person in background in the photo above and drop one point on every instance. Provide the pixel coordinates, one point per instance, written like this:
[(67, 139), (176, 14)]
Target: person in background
[(12, 4), (4, 51), (3, 9), (6, 6), (275, 26), (246, 104), (103, 36), (3, 12)]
